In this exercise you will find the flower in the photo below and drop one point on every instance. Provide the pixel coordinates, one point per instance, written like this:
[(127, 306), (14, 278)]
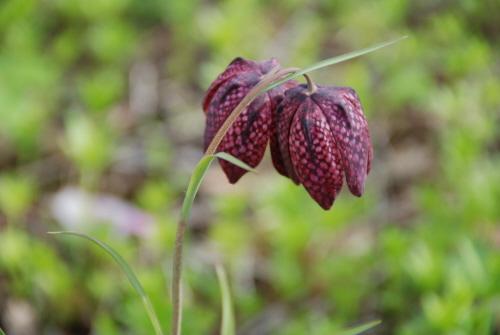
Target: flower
[(318, 135), (321, 135), (247, 138)]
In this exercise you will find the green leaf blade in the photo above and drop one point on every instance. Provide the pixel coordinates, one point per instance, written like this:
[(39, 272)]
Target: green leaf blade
[(360, 329), (231, 159), (198, 175), (194, 185), (228, 323), (125, 267), (335, 60), (1, 332)]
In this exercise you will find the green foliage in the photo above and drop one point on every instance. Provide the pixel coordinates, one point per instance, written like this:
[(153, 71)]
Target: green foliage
[(87, 144), (132, 278), (419, 250), (17, 194), (360, 329)]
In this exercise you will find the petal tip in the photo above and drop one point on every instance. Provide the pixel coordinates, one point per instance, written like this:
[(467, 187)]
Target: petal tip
[(326, 205), (357, 189), (233, 177)]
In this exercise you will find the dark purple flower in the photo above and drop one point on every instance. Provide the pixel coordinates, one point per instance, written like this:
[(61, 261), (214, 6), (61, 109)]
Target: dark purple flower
[(248, 136), (320, 138), (318, 135)]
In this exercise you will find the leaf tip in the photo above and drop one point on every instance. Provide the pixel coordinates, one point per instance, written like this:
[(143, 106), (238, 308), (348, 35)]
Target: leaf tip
[(231, 159)]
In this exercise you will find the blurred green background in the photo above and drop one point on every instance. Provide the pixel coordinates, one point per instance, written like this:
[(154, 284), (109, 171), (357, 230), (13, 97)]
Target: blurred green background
[(101, 125)]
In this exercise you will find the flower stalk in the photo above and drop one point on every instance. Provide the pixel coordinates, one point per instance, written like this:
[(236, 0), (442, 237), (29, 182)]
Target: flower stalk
[(274, 75), (273, 78)]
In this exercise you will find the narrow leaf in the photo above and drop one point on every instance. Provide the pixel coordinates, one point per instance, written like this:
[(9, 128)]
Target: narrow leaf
[(194, 184), (334, 60), (360, 329), (132, 278), (228, 323), (231, 159), (1, 332)]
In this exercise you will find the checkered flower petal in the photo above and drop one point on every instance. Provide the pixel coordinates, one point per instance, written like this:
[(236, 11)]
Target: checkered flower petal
[(323, 136), (237, 66), (247, 138), (315, 155), (342, 108), (276, 97)]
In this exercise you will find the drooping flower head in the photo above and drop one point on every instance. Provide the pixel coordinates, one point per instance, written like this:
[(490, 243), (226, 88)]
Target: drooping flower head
[(322, 137), (318, 135), (247, 138)]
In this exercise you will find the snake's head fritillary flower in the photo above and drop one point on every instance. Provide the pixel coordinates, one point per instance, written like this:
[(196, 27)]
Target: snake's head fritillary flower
[(247, 138), (322, 137)]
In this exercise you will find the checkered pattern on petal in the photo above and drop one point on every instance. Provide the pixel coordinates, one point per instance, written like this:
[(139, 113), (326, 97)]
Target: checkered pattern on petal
[(285, 113), (236, 67), (276, 96), (342, 109), (314, 153), (247, 138)]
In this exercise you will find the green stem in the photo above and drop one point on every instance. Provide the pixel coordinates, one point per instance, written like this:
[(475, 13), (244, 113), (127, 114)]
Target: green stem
[(176, 278), (274, 75), (194, 184)]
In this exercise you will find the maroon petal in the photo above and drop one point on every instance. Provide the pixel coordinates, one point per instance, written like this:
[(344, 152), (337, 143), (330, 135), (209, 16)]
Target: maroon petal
[(268, 65), (314, 154), (227, 97), (247, 138), (274, 143), (285, 114), (276, 96), (237, 66), (342, 109), (370, 152)]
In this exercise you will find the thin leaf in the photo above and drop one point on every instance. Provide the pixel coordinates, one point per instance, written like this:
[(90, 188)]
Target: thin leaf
[(360, 329), (194, 184), (231, 159), (1, 332), (132, 278), (334, 60), (228, 323)]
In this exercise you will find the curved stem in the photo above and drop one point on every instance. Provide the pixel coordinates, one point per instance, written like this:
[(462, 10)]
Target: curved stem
[(311, 86), (263, 85)]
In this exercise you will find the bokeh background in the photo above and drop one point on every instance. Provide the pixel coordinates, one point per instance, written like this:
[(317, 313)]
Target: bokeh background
[(101, 125)]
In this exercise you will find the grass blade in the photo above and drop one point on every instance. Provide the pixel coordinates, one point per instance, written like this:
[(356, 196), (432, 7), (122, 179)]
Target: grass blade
[(360, 329), (194, 185), (128, 272), (1, 332), (231, 159), (197, 177), (228, 323), (335, 60)]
